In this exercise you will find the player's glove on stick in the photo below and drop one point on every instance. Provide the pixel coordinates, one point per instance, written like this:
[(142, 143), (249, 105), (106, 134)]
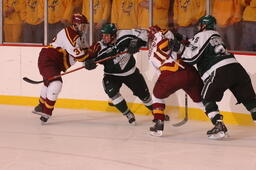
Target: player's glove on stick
[(174, 44), (90, 64), (133, 46)]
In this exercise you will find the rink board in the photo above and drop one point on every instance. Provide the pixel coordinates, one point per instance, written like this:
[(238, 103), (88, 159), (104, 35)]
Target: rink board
[(83, 89)]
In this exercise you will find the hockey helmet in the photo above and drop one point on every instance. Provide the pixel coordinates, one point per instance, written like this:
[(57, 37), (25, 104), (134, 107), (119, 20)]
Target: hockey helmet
[(79, 19), (152, 30), (108, 32), (207, 22), (109, 29), (79, 22)]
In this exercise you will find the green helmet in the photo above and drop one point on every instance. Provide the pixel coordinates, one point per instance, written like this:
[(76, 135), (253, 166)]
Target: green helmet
[(109, 29), (209, 22)]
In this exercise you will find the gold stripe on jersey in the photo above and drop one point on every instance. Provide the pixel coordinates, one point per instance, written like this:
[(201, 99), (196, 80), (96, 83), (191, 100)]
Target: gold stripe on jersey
[(170, 68), (66, 61), (164, 31), (164, 45), (65, 56), (71, 39), (83, 57)]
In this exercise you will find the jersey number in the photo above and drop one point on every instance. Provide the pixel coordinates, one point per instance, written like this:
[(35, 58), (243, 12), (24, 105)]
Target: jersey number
[(77, 51), (217, 43)]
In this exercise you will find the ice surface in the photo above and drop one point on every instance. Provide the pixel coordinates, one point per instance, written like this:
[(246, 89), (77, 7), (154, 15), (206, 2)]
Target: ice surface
[(90, 140)]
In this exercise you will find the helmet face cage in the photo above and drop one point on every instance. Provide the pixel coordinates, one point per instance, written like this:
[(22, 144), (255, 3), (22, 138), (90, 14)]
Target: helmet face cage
[(108, 30), (207, 22), (79, 21)]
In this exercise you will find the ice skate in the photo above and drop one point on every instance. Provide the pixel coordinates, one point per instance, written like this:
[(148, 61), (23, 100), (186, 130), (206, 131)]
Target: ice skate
[(253, 117), (131, 118), (38, 110), (157, 129), (110, 103), (218, 132), (44, 118)]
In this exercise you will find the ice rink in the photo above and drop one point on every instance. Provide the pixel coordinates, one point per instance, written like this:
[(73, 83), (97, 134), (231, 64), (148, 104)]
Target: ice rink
[(90, 140)]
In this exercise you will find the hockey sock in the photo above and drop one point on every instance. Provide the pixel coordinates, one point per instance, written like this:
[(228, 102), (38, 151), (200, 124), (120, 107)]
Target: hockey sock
[(148, 102), (48, 106), (251, 107), (158, 111), (122, 107), (253, 114)]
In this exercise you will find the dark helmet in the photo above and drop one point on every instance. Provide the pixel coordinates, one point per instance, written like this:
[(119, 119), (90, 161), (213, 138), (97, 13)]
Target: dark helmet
[(109, 29), (207, 22), (79, 19), (152, 30)]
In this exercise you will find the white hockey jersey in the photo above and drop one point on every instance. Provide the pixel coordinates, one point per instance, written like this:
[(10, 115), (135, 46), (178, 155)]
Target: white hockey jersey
[(70, 41), (208, 52), (159, 51)]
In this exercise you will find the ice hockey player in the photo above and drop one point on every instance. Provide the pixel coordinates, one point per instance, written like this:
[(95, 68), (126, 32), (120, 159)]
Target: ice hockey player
[(220, 71), (63, 52), (121, 69), (173, 75)]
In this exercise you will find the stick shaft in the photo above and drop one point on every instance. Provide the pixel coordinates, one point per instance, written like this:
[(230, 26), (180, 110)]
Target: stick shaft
[(67, 72)]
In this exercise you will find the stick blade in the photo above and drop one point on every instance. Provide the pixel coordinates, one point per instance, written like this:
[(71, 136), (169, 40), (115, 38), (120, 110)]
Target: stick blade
[(31, 81), (180, 123)]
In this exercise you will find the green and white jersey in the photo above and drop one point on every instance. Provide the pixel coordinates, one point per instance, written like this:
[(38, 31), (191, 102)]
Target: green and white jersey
[(208, 52), (122, 63)]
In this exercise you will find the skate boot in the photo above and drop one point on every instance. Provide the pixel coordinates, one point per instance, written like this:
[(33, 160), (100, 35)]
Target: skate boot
[(38, 110), (44, 118), (157, 129), (218, 132), (253, 116), (131, 118), (110, 103)]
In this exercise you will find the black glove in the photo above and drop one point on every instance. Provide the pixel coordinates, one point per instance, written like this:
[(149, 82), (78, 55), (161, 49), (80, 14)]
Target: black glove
[(90, 64), (174, 44), (133, 46), (178, 36)]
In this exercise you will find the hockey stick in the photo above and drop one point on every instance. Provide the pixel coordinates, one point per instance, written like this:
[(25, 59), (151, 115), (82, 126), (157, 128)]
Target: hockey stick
[(79, 68), (186, 114), (51, 78)]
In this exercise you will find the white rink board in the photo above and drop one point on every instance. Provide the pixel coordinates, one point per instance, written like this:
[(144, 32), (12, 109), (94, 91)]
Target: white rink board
[(17, 62)]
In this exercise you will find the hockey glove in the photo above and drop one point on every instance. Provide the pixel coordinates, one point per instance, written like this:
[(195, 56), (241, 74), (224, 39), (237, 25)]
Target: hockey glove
[(181, 38), (90, 64), (174, 45), (133, 46), (178, 36)]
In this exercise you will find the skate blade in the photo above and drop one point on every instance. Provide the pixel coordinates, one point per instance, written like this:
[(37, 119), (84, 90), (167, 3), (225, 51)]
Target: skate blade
[(218, 136), (43, 123), (133, 123), (37, 113), (158, 133)]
